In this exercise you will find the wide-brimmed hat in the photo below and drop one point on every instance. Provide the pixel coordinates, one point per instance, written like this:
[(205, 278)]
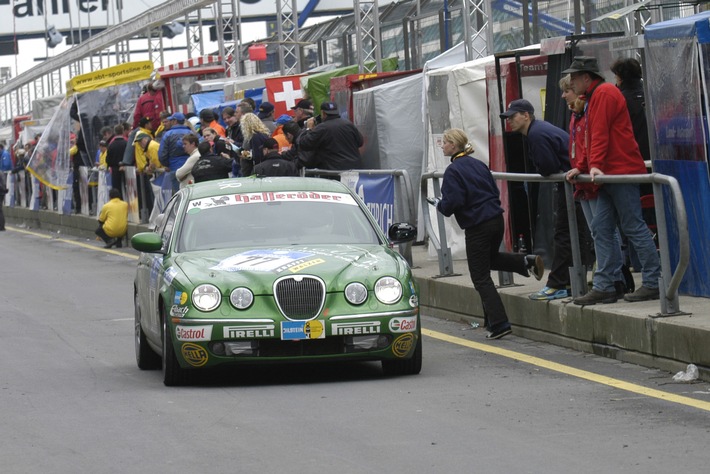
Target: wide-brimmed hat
[(583, 64)]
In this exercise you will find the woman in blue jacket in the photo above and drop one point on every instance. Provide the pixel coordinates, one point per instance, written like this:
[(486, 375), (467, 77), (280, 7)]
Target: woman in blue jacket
[(469, 192)]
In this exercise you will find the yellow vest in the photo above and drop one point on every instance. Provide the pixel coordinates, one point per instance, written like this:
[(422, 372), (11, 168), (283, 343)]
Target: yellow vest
[(114, 216), (139, 153)]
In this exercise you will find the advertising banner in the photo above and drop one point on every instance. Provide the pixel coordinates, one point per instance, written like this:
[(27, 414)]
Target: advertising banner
[(377, 191)]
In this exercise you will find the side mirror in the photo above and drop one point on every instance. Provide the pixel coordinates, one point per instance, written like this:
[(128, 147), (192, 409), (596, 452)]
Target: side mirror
[(402, 232), (148, 242)]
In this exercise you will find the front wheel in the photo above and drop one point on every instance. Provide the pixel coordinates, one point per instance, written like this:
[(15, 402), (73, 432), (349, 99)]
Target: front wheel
[(173, 374), (411, 366), (146, 358)]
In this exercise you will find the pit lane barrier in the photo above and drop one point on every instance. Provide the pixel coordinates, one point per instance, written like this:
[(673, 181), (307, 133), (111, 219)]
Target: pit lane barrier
[(403, 196), (30, 194), (668, 283)]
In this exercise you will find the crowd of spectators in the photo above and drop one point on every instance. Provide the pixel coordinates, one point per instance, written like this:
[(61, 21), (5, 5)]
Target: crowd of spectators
[(180, 149)]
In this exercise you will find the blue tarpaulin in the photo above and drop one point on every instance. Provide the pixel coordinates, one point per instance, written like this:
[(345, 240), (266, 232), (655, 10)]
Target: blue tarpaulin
[(675, 84)]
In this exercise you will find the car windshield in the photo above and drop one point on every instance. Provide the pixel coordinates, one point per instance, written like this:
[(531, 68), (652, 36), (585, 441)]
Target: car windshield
[(275, 218)]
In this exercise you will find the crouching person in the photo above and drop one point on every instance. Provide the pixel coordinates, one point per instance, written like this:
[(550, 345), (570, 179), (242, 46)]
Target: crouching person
[(113, 220)]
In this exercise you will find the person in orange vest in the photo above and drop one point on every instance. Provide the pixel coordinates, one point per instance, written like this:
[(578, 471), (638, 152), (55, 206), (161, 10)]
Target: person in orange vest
[(278, 134), (207, 119)]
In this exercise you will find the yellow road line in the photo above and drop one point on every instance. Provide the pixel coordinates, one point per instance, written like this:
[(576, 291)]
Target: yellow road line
[(565, 369), (73, 242)]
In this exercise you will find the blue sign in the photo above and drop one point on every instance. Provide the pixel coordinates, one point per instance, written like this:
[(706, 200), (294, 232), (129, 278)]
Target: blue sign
[(377, 192)]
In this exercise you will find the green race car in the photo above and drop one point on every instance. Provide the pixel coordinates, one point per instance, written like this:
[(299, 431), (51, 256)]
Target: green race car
[(272, 269)]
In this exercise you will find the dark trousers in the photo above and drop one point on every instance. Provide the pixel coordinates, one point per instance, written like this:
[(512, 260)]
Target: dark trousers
[(482, 244), (102, 233), (562, 245), (117, 179)]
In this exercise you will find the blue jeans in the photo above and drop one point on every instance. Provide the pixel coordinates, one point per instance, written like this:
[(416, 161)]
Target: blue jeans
[(589, 207), (622, 203)]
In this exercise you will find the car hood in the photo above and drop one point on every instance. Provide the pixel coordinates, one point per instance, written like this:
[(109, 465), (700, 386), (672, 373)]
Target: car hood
[(258, 268)]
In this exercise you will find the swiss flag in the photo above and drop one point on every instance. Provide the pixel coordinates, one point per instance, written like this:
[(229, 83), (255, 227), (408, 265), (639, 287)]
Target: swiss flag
[(284, 92)]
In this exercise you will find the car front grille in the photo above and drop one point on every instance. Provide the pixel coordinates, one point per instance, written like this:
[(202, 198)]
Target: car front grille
[(300, 297)]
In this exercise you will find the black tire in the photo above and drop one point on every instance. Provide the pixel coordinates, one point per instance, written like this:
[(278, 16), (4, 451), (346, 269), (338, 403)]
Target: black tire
[(411, 366), (146, 358), (173, 374)]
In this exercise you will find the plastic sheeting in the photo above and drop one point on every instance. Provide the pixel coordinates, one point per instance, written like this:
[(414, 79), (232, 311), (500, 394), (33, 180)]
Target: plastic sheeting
[(206, 100), (45, 107), (677, 73), (392, 142), (50, 162), (317, 86), (109, 106)]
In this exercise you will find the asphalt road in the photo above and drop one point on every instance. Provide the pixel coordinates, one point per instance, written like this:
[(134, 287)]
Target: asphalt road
[(72, 399)]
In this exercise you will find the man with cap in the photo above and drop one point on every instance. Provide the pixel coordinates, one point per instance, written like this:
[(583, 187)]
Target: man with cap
[(208, 120), (335, 141), (150, 104), (171, 153), (273, 163), (611, 149), (266, 114), (548, 149), (302, 111)]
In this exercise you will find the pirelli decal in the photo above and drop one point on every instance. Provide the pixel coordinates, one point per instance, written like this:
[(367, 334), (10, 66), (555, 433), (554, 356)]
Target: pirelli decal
[(351, 329), (249, 332)]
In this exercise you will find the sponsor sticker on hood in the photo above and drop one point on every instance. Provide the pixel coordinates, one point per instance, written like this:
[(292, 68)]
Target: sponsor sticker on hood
[(261, 260)]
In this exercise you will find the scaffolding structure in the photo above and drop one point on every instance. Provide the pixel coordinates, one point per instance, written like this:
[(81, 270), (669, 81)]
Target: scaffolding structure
[(413, 30)]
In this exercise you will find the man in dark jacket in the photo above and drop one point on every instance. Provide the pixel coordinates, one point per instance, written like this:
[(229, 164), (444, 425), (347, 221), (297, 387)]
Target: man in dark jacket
[(628, 80), (273, 164), (211, 166), (335, 142), (114, 156), (548, 149), (172, 155)]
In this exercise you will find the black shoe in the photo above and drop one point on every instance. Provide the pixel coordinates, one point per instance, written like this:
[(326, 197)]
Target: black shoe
[(110, 243), (119, 243), (498, 333), (642, 294), (620, 288), (596, 296), (535, 266)]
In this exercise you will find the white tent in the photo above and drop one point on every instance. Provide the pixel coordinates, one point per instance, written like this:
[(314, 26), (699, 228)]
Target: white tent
[(456, 98)]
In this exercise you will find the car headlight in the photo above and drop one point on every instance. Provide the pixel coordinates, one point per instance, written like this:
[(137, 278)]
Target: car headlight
[(206, 297), (355, 293), (241, 298), (388, 290)]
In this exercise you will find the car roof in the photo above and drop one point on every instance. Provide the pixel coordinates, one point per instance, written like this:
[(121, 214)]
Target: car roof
[(266, 184)]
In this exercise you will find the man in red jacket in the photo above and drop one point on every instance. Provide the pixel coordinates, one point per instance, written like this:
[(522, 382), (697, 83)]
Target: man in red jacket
[(611, 149), (150, 104)]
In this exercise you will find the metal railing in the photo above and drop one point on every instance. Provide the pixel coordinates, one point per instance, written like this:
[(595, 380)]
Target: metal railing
[(668, 282)]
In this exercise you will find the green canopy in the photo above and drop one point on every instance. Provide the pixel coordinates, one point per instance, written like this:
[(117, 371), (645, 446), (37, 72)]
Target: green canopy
[(318, 85)]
